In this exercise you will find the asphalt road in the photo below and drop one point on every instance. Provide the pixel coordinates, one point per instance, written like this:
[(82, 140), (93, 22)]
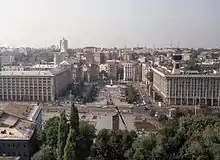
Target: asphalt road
[(140, 110), (147, 100)]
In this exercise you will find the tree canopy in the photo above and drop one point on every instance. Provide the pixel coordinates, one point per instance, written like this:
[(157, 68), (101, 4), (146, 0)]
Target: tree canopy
[(60, 140), (62, 135), (45, 153), (50, 133), (131, 94), (187, 138), (194, 137), (74, 119)]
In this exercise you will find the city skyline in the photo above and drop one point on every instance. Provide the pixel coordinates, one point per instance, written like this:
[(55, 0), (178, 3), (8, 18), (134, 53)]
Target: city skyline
[(117, 23)]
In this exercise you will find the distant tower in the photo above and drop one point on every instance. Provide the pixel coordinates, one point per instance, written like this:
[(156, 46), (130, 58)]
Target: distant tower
[(63, 45), (177, 58)]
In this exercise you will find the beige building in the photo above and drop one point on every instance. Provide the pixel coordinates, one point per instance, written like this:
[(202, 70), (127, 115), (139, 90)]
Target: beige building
[(34, 85), (189, 88)]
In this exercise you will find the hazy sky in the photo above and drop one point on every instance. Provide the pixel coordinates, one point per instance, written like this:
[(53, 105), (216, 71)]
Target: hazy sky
[(107, 23)]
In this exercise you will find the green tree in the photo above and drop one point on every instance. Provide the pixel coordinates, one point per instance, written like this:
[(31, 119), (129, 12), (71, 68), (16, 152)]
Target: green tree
[(100, 149), (50, 133), (111, 144), (45, 153), (127, 140), (74, 119), (85, 139), (143, 147), (192, 64), (188, 138), (115, 145), (162, 118), (152, 112), (70, 148), (131, 94), (62, 135)]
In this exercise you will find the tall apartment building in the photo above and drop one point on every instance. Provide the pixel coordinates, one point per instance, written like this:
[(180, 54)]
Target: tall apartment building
[(34, 85), (129, 69), (112, 68), (186, 88), (63, 45), (19, 127), (94, 72)]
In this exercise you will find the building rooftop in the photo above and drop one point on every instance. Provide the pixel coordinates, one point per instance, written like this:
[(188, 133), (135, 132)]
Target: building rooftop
[(17, 121), (17, 110), (22, 130), (9, 158), (44, 66), (22, 111), (164, 72), (49, 73), (104, 120)]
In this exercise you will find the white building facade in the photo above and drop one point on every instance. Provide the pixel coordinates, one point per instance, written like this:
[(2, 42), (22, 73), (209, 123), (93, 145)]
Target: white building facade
[(129, 69), (12, 68)]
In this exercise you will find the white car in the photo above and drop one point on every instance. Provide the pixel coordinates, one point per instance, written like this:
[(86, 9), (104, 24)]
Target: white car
[(105, 107)]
